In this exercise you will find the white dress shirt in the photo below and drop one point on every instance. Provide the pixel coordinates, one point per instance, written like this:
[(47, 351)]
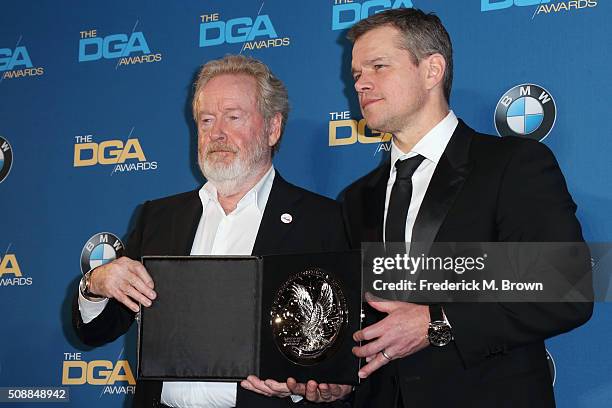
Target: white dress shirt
[(431, 146), (217, 234)]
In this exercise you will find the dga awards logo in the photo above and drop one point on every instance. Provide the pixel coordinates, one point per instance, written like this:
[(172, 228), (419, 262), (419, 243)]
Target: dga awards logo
[(10, 272), (542, 6), (117, 377), (344, 131), (100, 249), (345, 13), (526, 110), (125, 156), (129, 49), (6, 158), (16, 63), (253, 34)]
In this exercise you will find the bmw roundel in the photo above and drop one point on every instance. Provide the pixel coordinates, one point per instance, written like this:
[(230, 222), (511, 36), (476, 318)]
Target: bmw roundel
[(102, 248), (6, 158), (526, 110)]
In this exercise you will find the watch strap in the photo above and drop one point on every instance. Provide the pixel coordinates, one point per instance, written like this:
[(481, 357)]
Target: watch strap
[(435, 313)]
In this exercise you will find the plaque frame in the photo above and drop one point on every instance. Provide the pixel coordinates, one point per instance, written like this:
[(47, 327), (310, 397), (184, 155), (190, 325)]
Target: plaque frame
[(179, 340)]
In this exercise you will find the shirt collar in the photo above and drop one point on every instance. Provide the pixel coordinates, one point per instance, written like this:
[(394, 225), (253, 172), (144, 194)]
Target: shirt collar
[(432, 145), (258, 194)]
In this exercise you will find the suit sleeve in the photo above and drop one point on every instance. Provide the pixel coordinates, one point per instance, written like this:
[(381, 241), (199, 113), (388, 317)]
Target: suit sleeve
[(534, 205), (115, 319)]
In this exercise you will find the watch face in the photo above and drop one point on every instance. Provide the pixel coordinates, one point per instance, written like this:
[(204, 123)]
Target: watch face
[(439, 334), (308, 316)]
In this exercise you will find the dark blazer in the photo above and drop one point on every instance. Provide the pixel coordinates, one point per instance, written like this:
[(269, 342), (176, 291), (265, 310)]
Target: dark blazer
[(484, 189), (167, 226)]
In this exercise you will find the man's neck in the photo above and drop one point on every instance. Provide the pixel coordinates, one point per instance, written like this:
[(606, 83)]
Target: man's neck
[(230, 201), (408, 137)]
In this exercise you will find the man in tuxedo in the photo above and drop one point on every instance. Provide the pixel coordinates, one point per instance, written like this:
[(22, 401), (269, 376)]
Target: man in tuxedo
[(447, 183), (245, 207)]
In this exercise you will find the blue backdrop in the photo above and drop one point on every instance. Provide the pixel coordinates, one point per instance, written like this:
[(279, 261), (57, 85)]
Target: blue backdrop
[(95, 119)]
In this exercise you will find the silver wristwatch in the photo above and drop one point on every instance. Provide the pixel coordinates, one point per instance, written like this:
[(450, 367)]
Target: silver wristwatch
[(439, 333), (84, 288)]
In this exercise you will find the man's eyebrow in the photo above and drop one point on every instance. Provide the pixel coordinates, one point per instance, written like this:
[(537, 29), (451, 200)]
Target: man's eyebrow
[(370, 62), (375, 60), (227, 109)]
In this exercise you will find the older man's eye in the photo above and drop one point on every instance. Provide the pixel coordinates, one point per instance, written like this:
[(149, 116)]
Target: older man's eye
[(379, 66)]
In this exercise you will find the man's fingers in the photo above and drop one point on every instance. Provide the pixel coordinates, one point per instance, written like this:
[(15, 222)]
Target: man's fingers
[(248, 386), (385, 306), (371, 348), (370, 297), (277, 387), (270, 388), (141, 271), (336, 390), (370, 332), (312, 391), (259, 385), (318, 392), (142, 288), (123, 298), (325, 392), (118, 276), (137, 296), (372, 366), (340, 390), (296, 387)]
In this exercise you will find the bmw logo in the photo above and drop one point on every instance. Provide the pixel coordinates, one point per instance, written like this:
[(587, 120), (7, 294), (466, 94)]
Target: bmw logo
[(6, 158), (100, 249), (551, 366), (526, 110)]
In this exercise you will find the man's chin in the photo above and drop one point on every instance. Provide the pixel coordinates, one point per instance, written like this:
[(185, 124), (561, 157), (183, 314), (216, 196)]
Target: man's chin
[(375, 126)]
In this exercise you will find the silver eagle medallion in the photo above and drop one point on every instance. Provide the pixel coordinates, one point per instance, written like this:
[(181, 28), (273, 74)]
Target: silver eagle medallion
[(308, 316)]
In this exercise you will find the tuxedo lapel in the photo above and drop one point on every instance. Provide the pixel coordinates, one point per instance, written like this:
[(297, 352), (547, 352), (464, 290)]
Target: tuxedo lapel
[(373, 205), (272, 232), (446, 183), (185, 224)]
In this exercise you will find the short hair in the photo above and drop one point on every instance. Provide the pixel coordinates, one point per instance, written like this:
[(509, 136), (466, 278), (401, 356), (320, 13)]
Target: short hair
[(272, 97), (423, 35)]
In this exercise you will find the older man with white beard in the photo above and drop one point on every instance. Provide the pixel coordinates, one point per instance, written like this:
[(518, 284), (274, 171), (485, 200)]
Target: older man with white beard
[(245, 207)]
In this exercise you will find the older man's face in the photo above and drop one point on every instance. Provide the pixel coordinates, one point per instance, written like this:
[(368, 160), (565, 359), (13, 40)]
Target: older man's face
[(232, 136)]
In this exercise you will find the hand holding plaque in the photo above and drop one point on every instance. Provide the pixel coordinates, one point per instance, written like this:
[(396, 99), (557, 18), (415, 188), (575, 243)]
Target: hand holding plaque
[(275, 317), (312, 391)]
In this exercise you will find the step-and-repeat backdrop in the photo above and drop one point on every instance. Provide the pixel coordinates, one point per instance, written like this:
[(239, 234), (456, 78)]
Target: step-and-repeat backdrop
[(95, 118)]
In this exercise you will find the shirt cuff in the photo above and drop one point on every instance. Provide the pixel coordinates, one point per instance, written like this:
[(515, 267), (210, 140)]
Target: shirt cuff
[(296, 398), (90, 309), (445, 318)]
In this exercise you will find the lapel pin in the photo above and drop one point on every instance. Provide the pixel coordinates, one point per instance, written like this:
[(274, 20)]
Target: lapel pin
[(286, 218)]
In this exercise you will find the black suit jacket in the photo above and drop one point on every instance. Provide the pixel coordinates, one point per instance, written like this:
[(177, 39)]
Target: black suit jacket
[(484, 189), (167, 227)]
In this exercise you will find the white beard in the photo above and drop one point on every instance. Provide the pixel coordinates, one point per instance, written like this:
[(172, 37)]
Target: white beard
[(229, 178)]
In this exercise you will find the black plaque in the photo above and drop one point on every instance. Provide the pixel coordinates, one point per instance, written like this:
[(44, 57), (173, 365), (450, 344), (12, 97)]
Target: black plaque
[(224, 318)]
